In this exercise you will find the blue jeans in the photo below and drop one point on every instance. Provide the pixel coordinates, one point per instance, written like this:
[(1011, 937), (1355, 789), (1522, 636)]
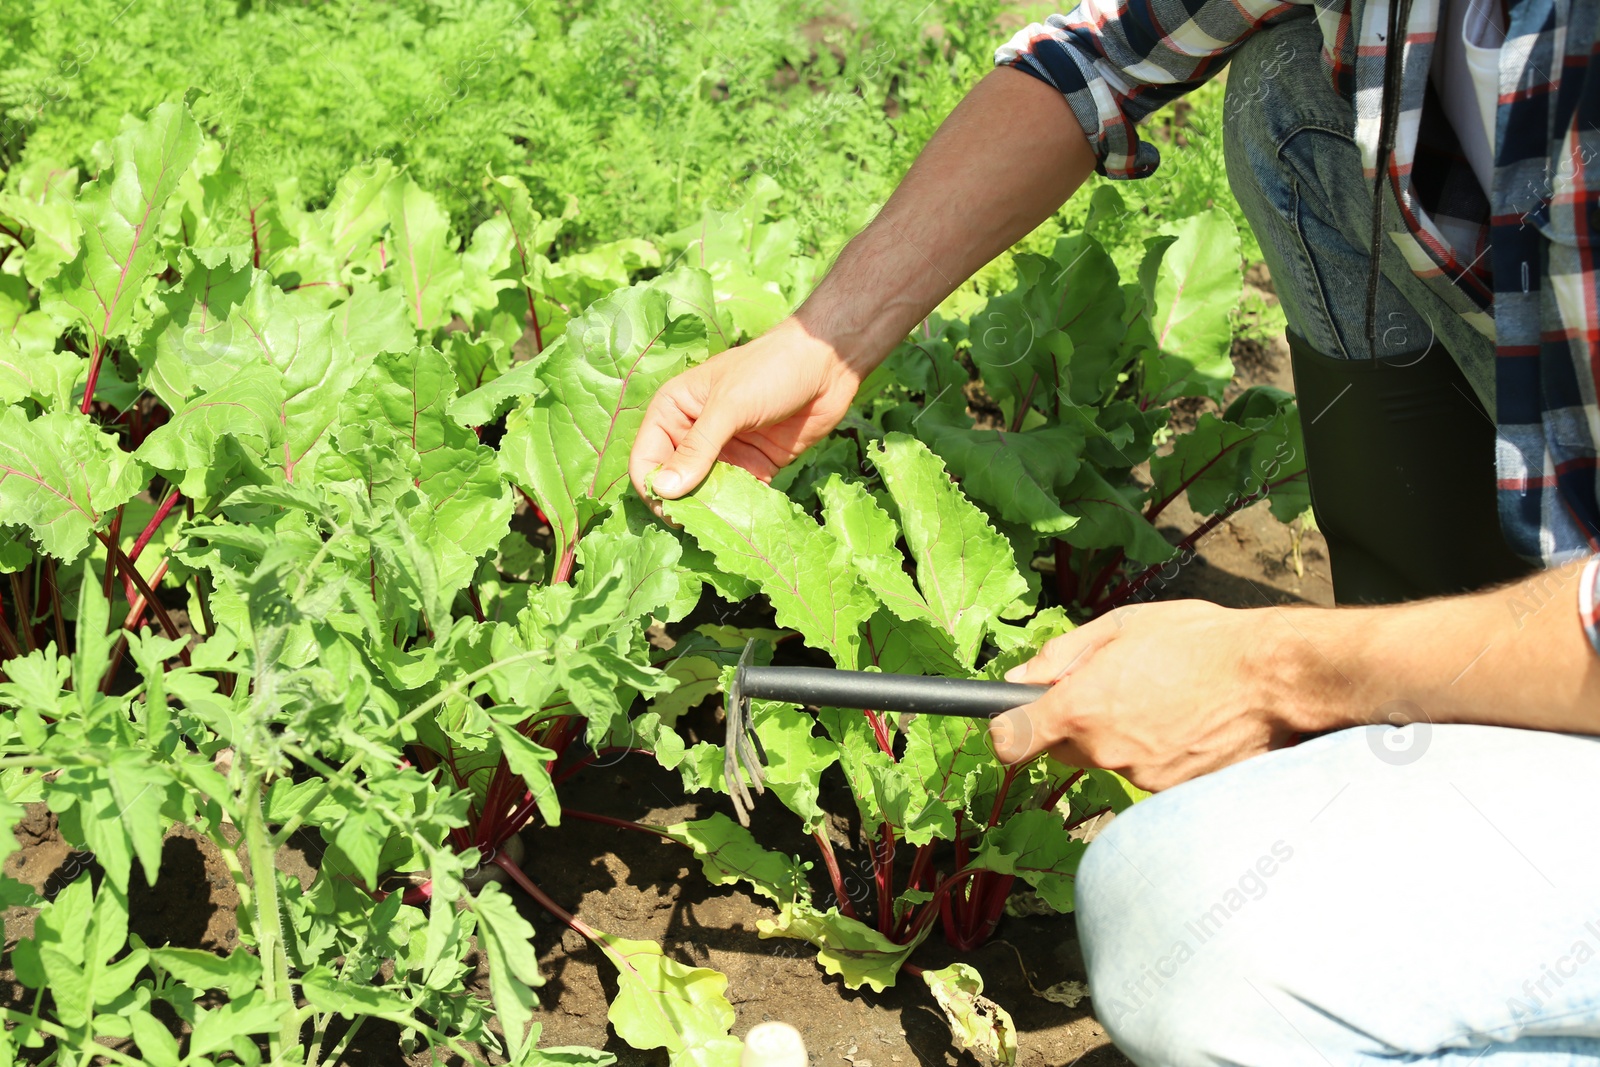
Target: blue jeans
[(1375, 895), (1295, 169)]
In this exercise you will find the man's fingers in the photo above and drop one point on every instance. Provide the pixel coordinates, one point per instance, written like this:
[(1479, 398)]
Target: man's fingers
[(696, 452), (1022, 733), (752, 459), (1059, 655), (665, 421)]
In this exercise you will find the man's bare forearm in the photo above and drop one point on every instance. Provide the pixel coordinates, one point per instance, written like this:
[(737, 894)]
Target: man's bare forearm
[(1510, 656), (1008, 156)]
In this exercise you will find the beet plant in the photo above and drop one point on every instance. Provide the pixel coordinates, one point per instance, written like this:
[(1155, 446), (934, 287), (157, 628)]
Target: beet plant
[(1080, 373), (948, 828)]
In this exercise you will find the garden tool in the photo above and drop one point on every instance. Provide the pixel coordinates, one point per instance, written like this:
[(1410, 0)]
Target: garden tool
[(826, 687)]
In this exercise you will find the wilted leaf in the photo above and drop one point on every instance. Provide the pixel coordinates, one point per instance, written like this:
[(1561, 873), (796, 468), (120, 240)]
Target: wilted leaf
[(981, 1026)]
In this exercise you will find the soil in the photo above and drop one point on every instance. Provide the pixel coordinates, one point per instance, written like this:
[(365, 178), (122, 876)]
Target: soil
[(1249, 561), (635, 885)]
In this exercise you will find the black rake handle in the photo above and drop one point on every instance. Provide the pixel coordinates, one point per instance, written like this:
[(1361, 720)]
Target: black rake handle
[(825, 687)]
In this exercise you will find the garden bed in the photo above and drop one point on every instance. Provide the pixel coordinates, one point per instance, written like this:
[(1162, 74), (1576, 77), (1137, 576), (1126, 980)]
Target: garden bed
[(636, 886)]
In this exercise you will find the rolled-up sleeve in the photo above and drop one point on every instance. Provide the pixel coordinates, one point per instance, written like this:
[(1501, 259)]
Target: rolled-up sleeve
[(1116, 61), (1589, 602)]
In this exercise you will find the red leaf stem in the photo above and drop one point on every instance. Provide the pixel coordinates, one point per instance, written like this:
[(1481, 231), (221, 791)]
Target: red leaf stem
[(883, 874), (154, 524), (543, 899), (846, 905), (607, 820)]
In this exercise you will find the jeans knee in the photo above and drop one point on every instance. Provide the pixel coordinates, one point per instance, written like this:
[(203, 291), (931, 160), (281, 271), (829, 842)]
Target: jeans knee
[(1171, 924)]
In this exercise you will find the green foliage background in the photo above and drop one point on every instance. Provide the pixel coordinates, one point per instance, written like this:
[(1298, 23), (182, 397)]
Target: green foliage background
[(643, 112)]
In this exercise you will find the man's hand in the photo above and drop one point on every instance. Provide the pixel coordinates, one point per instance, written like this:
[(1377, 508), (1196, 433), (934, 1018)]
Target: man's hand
[(757, 406), (961, 204), (1165, 692), (1161, 693)]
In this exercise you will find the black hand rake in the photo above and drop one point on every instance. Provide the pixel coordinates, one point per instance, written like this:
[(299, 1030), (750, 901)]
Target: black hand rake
[(825, 687)]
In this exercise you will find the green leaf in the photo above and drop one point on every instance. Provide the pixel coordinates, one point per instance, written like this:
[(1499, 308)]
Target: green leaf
[(693, 292), (402, 404), (1254, 447), (235, 974), (157, 1046), (195, 343), (30, 366), (845, 947), (507, 939), (61, 477), (531, 761), (872, 537), (696, 661), (661, 1003), (531, 236), (328, 993), (92, 656), (76, 939), (796, 758), (1019, 476), (887, 792), (747, 258), (965, 569), (231, 340), (120, 216), (1111, 517), (246, 406), (488, 402), (1019, 643), (756, 532), (566, 1056), (647, 557), (568, 447), (1052, 340), (429, 271), (374, 320), (219, 1028), (949, 757), (115, 812), (980, 1026), (320, 248), (1191, 296), (1033, 845), (1102, 790), (40, 199), (728, 853)]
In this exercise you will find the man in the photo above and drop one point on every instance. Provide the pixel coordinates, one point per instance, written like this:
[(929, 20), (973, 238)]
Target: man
[(1421, 892)]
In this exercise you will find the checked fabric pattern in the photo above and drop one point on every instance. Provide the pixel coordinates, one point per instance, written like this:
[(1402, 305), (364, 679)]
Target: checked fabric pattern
[(1519, 263)]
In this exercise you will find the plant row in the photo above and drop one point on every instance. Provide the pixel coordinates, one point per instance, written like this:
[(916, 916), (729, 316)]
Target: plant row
[(318, 528)]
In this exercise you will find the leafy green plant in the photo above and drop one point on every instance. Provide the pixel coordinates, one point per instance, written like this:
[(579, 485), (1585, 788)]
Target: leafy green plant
[(1077, 373), (293, 425), (928, 783), (295, 440)]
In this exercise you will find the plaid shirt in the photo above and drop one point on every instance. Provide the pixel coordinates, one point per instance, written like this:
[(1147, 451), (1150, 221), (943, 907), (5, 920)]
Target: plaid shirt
[(1522, 265)]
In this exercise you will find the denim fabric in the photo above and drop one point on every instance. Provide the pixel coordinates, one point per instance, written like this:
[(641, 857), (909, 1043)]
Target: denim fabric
[(1375, 895), (1296, 170)]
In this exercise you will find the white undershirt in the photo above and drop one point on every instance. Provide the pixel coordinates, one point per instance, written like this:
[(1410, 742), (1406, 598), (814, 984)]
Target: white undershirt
[(1466, 72)]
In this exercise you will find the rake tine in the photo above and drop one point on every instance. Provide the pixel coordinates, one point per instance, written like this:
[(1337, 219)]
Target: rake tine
[(752, 759), (742, 801)]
